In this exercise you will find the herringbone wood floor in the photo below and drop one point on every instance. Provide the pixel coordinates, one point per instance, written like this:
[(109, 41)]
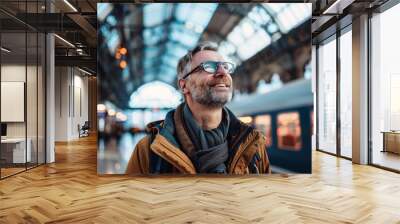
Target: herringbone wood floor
[(70, 191)]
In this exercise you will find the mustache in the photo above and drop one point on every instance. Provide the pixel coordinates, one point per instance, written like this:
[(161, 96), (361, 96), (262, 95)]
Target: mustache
[(223, 80)]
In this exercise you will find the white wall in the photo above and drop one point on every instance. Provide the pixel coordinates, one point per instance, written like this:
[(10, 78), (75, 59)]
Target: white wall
[(71, 102), (61, 103), (12, 73)]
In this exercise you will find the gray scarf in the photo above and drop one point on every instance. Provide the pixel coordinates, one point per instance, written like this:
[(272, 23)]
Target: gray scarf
[(211, 145)]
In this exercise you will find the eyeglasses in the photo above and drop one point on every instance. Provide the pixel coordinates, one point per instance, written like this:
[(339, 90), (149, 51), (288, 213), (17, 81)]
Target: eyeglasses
[(212, 67)]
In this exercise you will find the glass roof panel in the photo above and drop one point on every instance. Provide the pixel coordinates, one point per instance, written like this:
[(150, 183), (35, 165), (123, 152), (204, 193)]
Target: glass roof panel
[(228, 51), (148, 64), (255, 43), (176, 50), (166, 75), (148, 77), (244, 35), (275, 8), (193, 18), (272, 27), (167, 71), (286, 20), (226, 48), (247, 29), (180, 34), (187, 39), (170, 61), (250, 35), (236, 37), (111, 20), (182, 11), (259, 16), (151, 52), (155, 14), (154, 35), (197, 13), (113, 40), (289, 15), (103, 9)]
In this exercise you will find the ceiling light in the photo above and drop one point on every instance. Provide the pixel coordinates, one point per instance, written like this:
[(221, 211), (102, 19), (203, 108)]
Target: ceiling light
[(84, 71), (71, 6), (65, 41), (5, 50), (123, 51), (101, 108), (121, 116), (337, 7), (111, 112), (122, 64)]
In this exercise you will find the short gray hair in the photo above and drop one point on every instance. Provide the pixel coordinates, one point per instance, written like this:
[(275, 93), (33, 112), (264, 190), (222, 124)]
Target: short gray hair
[(185, 63)]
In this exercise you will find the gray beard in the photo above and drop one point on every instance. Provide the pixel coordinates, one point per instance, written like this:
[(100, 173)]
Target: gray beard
[(207, 97)]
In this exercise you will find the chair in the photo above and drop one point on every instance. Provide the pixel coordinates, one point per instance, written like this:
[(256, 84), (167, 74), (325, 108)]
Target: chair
[(84, 130)]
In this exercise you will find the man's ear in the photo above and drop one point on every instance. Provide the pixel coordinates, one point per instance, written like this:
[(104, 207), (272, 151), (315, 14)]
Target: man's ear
[(182, 86)]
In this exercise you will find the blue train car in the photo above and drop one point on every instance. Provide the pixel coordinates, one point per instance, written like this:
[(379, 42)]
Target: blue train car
[(285, 116)]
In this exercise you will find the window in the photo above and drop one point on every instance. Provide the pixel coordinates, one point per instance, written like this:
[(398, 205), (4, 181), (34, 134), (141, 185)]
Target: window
[(289, 131), (327, 97), (385, 89), (346, 94), (263, 124)]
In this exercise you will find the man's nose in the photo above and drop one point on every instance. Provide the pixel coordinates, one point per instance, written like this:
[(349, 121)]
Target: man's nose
[(221, 71)]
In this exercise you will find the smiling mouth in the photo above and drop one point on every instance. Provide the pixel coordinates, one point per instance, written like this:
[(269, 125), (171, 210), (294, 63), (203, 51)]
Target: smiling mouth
[(221, 85)]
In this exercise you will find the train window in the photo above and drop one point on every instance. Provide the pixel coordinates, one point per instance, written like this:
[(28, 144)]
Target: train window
[(263, 124), (289, 131), (246, 120)]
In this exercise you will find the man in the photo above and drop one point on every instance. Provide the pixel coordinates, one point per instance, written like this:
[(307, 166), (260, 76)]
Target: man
[(201, 135)]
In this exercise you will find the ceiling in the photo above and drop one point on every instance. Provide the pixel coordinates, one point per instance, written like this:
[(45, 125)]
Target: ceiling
[(155, 36)]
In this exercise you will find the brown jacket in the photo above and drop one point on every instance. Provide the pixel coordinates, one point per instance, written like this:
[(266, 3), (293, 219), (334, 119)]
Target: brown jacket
[(247, 148)]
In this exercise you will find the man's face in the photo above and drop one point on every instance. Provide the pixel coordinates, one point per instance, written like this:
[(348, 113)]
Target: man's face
[(212, 90)]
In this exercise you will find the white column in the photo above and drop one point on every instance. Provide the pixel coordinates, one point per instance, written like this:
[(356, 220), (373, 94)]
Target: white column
[(50, 92), (50, 100), (360, 90), (62, 102)]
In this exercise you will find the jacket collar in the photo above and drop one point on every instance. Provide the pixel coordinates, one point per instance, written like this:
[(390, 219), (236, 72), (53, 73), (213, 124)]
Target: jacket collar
[(173, 143), (182, 134)]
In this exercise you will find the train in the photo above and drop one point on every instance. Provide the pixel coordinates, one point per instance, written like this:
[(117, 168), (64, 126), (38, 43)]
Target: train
[(286, 117)]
